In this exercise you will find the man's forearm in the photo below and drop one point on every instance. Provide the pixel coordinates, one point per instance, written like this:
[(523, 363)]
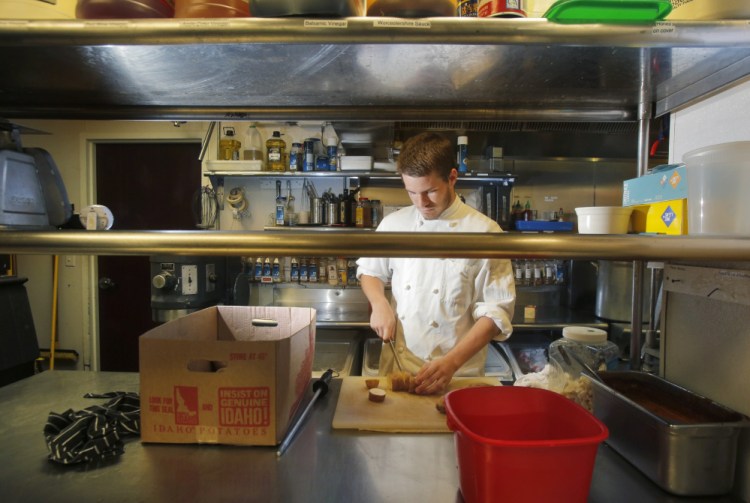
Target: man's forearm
[(477, 338)]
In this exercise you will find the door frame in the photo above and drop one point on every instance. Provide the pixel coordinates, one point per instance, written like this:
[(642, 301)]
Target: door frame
[(89, 140)]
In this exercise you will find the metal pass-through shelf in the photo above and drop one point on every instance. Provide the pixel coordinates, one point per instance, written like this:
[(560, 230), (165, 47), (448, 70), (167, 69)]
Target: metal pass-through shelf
[(363, 68)]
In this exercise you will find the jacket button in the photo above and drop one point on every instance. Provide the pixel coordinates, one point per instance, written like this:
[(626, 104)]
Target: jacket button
[(434, 324), (408, 287), (436, 291)]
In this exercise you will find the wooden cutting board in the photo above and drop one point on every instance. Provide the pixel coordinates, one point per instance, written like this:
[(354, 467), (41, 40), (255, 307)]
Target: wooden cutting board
[(400, 412)]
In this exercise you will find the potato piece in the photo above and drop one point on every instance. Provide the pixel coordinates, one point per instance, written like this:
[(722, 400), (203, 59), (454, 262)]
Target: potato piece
[(402, 381), (376, 395), (372, 383)]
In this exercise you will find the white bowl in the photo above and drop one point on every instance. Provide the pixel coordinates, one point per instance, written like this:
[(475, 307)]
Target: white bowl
[(603, 220)]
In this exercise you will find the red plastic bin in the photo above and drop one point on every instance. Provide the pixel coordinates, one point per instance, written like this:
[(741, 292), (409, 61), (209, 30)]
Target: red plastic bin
[(522, 444)]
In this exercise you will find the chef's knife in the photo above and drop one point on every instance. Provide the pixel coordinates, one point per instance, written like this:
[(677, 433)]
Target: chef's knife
[(395, 355)]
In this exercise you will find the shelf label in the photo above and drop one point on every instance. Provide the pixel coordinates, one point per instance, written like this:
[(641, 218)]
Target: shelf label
[(326, 23), (663, 28), (401, 23)]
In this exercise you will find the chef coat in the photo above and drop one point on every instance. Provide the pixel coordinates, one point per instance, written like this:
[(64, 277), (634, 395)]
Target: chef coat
[(437, 300)]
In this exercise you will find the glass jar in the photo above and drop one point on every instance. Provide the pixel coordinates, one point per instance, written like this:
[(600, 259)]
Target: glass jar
[(363, 213), (590, 345)]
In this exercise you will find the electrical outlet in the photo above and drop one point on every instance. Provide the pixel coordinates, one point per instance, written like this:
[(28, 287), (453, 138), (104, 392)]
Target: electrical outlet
[(70, 260)]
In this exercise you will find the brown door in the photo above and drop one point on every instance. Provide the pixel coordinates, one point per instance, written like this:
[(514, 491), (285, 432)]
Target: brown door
[(148, 186)]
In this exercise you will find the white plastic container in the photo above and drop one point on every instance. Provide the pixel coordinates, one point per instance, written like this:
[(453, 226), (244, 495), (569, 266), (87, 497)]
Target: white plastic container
[(718, 177), (603, 219)]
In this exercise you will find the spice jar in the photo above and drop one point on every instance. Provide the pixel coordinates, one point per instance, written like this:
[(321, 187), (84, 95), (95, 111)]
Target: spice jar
[(590, 345)]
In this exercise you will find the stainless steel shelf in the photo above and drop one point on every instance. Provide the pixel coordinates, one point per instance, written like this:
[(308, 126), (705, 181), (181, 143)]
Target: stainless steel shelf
[(365, 69), (380, 244)]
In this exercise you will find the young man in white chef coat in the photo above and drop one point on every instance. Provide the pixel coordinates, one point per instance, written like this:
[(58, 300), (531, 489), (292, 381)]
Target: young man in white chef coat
[(444, 311)]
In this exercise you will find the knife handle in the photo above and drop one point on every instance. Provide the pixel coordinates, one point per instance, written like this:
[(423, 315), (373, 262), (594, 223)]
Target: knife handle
[(322, 383)]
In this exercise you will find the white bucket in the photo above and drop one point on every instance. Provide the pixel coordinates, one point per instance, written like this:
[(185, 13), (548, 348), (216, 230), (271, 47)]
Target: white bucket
[(718, 178)]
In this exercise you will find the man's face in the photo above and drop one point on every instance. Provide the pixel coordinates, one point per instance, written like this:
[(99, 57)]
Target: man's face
[(431, 194)]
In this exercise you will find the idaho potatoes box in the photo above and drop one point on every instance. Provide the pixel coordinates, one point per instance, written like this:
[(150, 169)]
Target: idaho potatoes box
[(666, 217), (226, 375)]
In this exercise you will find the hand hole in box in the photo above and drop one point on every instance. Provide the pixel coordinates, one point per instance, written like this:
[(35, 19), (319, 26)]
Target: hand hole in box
[(206, 366)]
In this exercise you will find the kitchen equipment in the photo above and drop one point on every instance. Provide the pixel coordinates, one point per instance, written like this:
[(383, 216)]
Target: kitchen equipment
[(400, 412), (395, 355), (32, 193), (682, 441), (522, 444), (411, 8), (614, 292), (328, 8), (38, 9), (320, 388), (183, 284), (608, 11), (211, 8), (603, 219), (717, 179), (709, 9), (123, 9)]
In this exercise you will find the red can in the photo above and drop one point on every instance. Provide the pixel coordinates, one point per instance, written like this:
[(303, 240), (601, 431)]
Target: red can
[(500, 8)]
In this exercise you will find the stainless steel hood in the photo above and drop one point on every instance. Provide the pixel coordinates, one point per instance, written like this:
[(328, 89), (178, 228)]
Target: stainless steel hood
[(360, 68)]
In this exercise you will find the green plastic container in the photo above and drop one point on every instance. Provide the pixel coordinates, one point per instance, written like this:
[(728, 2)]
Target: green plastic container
[(608, 11)]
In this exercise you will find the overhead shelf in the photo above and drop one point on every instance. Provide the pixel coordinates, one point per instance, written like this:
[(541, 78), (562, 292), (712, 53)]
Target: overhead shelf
[(365, 69), (379, 244)]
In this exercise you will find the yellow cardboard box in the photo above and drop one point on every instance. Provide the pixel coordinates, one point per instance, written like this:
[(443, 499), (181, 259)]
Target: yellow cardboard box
[(665, 217), (226, 375)]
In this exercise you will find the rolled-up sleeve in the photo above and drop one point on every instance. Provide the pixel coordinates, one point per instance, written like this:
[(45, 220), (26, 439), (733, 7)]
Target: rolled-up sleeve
[(496, 297), (374, 266)]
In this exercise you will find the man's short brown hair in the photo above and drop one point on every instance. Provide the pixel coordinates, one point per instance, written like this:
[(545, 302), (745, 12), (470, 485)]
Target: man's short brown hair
[(427, 153)]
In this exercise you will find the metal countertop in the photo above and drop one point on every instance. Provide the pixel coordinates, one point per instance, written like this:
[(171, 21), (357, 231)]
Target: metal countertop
[(321, 465)]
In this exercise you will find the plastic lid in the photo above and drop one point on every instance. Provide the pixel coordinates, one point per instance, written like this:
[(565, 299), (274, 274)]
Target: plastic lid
[(608, 11), (463, 140), (585, 334)]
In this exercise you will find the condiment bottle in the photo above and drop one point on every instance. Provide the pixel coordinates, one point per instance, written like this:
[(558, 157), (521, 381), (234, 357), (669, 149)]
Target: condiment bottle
[(275, 148), (462, 153)]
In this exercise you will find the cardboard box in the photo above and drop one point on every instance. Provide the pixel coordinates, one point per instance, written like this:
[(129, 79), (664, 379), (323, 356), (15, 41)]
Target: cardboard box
[(220, 376), (666, 217), (663, 185)]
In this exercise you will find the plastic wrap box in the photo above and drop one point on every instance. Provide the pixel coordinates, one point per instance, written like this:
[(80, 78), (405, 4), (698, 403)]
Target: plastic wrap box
[(662, 185), (226, 375), (667, 217)]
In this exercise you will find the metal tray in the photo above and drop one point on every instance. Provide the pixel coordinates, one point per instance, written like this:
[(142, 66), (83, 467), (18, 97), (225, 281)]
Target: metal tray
[(684, 442)]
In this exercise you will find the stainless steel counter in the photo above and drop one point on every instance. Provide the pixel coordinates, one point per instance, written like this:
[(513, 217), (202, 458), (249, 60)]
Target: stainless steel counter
[(321, 465)]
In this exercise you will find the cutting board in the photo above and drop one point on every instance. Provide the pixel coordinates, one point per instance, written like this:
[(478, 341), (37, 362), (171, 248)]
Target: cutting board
[(400, 412)]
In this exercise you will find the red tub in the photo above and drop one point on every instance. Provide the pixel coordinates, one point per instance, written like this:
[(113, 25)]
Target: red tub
[(522, 444)]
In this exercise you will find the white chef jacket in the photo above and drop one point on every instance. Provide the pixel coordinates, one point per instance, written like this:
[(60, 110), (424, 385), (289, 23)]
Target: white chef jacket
[(438, 300)]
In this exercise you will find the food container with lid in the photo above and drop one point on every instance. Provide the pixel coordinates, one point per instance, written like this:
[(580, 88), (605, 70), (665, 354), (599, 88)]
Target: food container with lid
[(717, 190), (588, 344)]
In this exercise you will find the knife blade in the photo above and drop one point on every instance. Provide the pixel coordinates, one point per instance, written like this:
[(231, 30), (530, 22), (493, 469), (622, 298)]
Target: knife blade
[(395, 355)]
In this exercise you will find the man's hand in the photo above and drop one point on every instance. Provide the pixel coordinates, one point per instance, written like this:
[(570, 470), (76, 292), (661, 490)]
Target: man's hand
[(434, 376), (383, 320)]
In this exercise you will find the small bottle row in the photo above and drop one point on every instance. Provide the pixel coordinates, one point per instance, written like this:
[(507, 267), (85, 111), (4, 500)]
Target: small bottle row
[(533, 272), (334, 271)]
